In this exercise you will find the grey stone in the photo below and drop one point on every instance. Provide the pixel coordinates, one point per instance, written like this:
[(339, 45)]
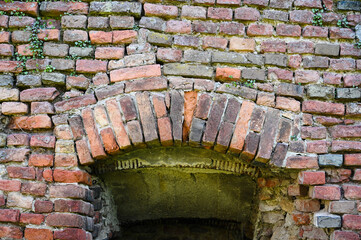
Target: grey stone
[(6, 81), (55, 50), (348, 93), (131, 8), (3, 137), (63, 64), (196, 70), (243, 92), (318, 91), (283, 4), (276, 59), (20, 36), (81, 52), (353, 109), (272, 217), (197, 129), (28, 80), (255, 59), (153, 23), (197, 56), (327, 49), (7, 94), (160, 39), (358, 31), (229, 57), (325, 220), (139, 59), (275, 15), (330, 160), (256, 74), (349, 5), (52, 79), (98, 22), (315, 62), (297, 146), (76, 21), (342, 207), (121, 22)]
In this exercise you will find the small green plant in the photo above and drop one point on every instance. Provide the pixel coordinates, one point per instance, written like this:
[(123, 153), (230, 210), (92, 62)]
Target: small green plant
[(73, 57), (49, 68), (83, 44), (250, 83), (294, 138), (358, 44), (136, 27), (317, 17), (342, 23)]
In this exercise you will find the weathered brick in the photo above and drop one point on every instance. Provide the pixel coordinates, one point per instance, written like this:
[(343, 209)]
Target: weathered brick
[(174, 26), (55, 50), (76, 102), (9, 215), (76, 21), (323, 107), (327, 192), (288, 104), (288, 30), (160, 10), (65, 220), (91, 66), (98, 22), (100, 37), (318, 147), (133, 73), (255, 29), (41, 160), (121, 8), (11, 232), (341, 33), (13, 108), (342, 206), (352, 192), (351, 222), (315, 31), (273, 46), (204, 26), (330, 160), (120, 22), (306, 76), (315, 62), (307, 205), (232, 28), (344, 64), (220, 13), (344, 235), (83, 152), (58, 8), (301, 16), (247, 14), (266, 99), (250, 146), (300, 162), (275, 15), (30, 218), (312, 178), (34, 188), (276, 59), (31, 122)]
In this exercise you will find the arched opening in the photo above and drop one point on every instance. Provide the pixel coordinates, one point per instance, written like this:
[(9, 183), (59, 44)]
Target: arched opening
[(181, 193)]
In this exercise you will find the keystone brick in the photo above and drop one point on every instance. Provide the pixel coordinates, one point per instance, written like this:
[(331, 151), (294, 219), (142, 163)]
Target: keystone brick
[(288, 30), (100, 37), (93, 136), (255, 29), (247, 14), (118, 127), (91, 66), (312, 178), (76, 102), (327, 192), (136, 72)]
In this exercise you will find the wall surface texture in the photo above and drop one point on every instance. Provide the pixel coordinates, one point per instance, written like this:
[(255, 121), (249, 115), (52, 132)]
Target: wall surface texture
[(271, 85)]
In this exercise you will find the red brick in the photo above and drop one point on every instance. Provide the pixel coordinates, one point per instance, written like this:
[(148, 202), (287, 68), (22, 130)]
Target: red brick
[(49, 34), (10, 66), (21, 172), (273, 46), (352, 192), (318, 147), (30, 8), (18, 139), (10, 185), (42, 108), (220, 13), (228, 74), (91, 66), (65, 160), (193, 12), (135, 72), (332, 78), (39, 94), (351, 222), (124, 36), (169, 55), (313, 132), (349, 50), (232, 28), (247, 14), (109, 53), (345, 146), (214, 42), (36, 233), (308, 76), (175, 26), (75, 103), (242, 44), (357, 175), (288, 104), (308, 3), (109, 141), (165, 131), (190, 103), (205, 27), (352, 80), (203, 106), (341, 33), (65, 220), (280, 74), (93, 136), (327, 192), (118, 126), (43, 206), (312, 178), (323, 107), (7, 50), (4, 21), (300, 162), (66, 176), (342, 64), (315, 31), (100, 37), (4, 37), (59, 8), (33, 188), (300, 47), (266, 99), (43, 141), (229, 2), (307, 205), (160, 10), (9, 215), (241, 128), (352, 159), (343, 235), (11, 232), (145, 84), (74, 206), (255, 29), (294, 61), (31, 218), (301, 16), (70, 234), (301, 218), (342, 131)]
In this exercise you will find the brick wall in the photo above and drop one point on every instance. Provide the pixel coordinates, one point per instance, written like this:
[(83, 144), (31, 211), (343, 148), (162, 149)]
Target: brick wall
[(253, 78)]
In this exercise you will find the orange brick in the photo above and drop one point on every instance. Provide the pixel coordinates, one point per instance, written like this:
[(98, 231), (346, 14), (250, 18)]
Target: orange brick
[(67, 176), (228, 74), (35, 234), (49, 34), (109, 141), (125, 36), (242, 44), (100, 37), (135, 72), (165, 131), (190, 103), (41, 160)]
